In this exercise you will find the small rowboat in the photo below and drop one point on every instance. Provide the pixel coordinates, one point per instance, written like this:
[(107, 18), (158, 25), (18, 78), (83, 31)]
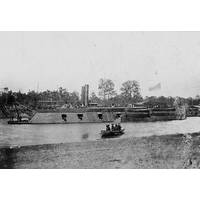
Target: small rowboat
[(16, 121), (110, 134)]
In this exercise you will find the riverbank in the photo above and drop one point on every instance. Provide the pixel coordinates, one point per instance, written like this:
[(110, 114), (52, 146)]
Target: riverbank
[(166, 151)]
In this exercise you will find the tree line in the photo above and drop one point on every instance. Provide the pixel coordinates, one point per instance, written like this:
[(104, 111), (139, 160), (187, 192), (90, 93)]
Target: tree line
[(129, 94), (32, 99)]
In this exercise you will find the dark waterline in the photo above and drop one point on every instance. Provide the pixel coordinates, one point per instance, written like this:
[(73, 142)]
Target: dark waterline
[(18, 135)]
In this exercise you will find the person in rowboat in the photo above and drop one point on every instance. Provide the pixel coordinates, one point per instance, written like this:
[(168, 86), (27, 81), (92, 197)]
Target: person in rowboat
[(112, 127), (107, 127)]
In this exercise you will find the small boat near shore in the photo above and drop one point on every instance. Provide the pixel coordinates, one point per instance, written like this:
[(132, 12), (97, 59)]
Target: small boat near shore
[(19, 121), (110, 134)]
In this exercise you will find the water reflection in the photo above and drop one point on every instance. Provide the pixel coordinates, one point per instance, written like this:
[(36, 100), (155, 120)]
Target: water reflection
[(85, 136)]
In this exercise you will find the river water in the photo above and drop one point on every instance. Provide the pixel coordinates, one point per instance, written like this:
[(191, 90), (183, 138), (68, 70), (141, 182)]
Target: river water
[(18, 135)]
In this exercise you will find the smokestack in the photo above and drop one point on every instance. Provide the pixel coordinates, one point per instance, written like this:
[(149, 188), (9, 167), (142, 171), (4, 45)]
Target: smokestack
[(85, 95)]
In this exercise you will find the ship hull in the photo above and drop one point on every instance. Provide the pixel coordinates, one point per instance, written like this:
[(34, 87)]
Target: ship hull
[(106, 115)]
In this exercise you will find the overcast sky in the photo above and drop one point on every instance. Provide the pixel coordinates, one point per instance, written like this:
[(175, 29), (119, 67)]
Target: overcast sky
[(71, 59)]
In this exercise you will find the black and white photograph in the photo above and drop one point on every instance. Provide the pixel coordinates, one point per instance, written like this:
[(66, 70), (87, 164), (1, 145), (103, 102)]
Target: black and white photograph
[(99, 100)]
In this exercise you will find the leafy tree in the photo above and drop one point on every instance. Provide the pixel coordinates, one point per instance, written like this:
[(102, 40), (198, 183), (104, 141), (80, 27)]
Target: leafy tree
[(130, 90), (117, 100), (161, 102), (10, 99), (106, 88), (94, 98), (74, 98), (31, 99)]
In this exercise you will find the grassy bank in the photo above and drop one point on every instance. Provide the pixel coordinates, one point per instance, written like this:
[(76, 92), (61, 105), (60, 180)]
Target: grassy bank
[(167, 151)]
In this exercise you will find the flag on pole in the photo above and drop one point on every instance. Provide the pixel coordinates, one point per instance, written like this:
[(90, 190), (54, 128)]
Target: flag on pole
[(155, 87)]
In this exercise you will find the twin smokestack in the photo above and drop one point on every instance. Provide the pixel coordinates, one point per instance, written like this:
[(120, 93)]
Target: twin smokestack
[(85, 95)]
